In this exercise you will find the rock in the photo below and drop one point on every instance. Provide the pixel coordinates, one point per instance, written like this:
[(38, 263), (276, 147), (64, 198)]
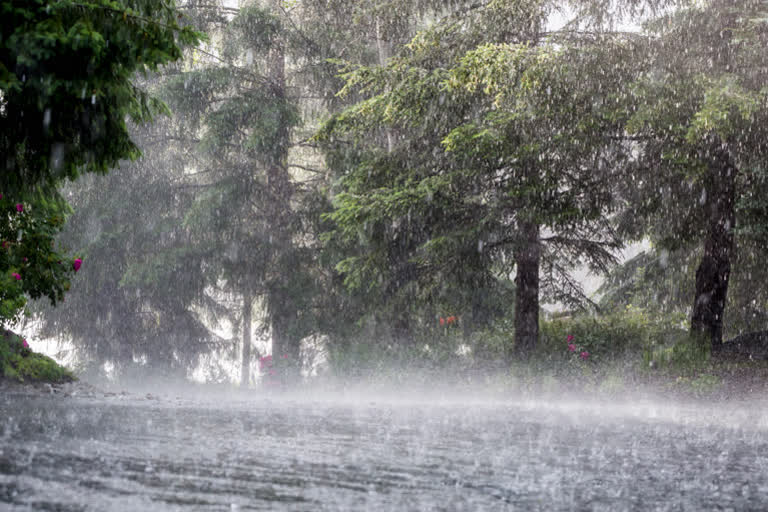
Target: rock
[(751, 345)]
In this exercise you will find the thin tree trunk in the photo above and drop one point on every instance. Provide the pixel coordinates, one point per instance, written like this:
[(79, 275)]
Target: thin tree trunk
[(527, 260), (715, 266), (245, 368)]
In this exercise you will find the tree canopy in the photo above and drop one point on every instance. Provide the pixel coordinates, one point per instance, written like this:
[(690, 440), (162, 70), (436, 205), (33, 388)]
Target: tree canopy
[(66, 95)]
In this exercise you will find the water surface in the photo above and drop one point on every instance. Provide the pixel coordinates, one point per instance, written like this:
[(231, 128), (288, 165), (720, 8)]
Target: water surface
[(132, 454)]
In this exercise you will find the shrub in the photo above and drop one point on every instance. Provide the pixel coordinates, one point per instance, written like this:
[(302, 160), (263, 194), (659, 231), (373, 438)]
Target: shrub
[(611, 337), (18, 362)]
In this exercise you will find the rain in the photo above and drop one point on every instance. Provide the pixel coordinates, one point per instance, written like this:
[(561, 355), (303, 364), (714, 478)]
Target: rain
[(383, 255)]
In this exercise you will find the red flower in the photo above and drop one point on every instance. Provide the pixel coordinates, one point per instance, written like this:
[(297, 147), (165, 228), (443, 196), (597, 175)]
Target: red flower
[(442, 321)]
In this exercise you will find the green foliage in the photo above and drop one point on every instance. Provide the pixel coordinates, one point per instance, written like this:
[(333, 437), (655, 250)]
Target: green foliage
[(683, 356), (39, 368), (31, 264), (66, 72), (612, 337), (18, 362), (255, 29)]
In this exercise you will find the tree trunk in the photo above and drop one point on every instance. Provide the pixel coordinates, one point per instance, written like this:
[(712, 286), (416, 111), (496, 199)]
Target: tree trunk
[(527, 259), (715, 267), (245, 368)]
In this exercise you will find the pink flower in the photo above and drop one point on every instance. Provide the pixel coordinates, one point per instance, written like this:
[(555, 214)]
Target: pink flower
[(1, 196), (569, 338), (17, 276), (442, 321), (572, 347), (24, 343), (25, 259), (584, 355), (19, 207), (76, 265)]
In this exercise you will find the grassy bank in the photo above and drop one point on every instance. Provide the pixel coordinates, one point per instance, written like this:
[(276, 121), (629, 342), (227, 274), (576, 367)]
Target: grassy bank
[(629, 353), (20, 364)]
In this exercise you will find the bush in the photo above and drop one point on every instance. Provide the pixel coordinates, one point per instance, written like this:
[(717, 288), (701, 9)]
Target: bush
[(613, 337), (18, 362)]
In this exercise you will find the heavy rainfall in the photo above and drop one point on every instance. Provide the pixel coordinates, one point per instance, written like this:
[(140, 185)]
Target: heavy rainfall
[(383, 255)]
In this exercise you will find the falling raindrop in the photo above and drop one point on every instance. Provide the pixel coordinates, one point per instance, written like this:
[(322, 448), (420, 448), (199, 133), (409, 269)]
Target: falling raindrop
[(57, 156), (664, 258)]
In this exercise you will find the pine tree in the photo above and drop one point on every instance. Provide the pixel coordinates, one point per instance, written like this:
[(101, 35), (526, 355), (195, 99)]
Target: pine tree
[(502, 161)]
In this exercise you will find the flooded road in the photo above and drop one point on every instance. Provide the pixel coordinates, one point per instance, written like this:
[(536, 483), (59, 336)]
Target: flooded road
[(110, 454)]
